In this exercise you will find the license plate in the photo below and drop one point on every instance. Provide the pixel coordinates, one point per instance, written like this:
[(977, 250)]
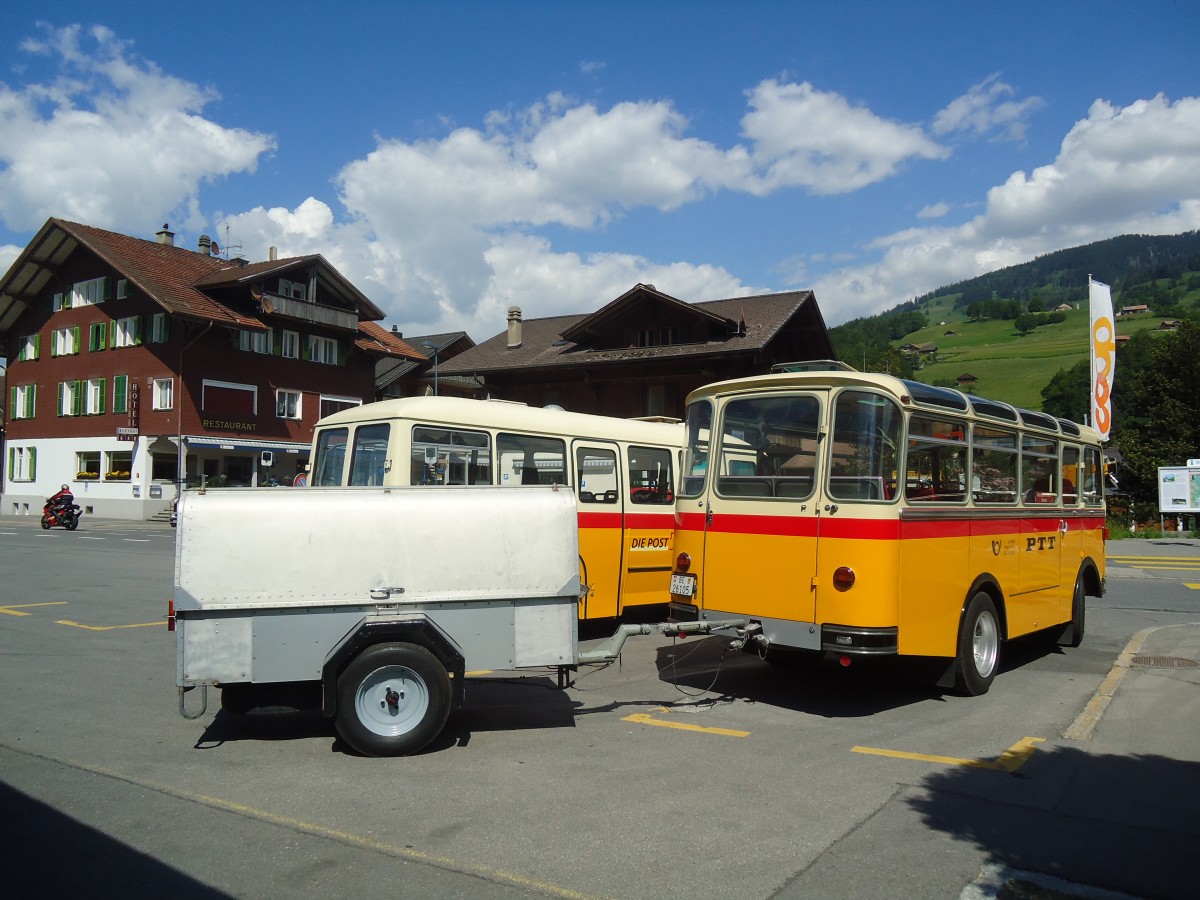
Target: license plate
[(683, 585)]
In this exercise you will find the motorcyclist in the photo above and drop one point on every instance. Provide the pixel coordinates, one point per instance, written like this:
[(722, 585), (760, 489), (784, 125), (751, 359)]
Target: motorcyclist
[(63, 501)]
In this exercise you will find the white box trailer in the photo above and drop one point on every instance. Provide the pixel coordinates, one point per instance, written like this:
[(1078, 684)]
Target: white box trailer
[(372, 603)]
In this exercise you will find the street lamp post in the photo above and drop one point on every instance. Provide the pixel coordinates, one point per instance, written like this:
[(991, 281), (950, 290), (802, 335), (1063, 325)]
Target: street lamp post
[(435, 366)]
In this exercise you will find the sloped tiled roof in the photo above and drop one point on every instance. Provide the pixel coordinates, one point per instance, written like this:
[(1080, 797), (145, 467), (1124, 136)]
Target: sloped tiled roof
[(166, 273), (174, 277), (543, 346), (376, 339)]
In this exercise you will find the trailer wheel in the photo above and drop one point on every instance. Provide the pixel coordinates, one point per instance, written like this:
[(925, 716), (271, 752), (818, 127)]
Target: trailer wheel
[(978, 647), (392, 699)]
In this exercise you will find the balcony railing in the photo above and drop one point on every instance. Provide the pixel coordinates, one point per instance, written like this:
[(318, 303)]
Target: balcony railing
[(309, 312)]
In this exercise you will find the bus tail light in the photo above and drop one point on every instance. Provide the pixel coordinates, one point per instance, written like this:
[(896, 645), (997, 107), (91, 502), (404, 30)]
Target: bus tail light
[(843, 578), (170, 615), (683, 562), (844, 661)]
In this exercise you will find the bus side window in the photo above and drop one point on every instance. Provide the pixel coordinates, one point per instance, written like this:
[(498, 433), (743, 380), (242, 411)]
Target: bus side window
[(1070, 475), (596, 471), (650, 477), (530, 459)]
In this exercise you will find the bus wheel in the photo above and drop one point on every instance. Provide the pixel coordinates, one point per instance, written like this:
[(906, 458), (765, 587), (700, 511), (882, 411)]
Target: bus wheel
[(978, 647), (1078, 613), (392, 700)]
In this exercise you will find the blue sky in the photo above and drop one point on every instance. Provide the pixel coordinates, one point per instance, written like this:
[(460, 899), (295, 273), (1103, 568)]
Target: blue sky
[(454, 159)]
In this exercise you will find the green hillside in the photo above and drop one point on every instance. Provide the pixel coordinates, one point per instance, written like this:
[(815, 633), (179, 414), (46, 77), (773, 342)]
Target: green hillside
[(973, 323)]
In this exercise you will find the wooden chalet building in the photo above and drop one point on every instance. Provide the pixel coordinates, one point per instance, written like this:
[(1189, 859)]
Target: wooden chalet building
[(642, 353), (136, 365)]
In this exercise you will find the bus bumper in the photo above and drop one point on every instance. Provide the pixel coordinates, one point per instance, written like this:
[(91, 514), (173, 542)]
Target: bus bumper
[(865, 641)]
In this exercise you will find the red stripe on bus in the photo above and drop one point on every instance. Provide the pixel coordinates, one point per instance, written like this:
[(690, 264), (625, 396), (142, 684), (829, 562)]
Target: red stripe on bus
[(629, 520)]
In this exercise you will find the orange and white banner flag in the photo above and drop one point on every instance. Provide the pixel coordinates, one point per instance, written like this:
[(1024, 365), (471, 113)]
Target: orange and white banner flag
[(1104, 355)]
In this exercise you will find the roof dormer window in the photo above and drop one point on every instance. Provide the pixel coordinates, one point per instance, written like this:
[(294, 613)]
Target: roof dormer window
[(294, 289)]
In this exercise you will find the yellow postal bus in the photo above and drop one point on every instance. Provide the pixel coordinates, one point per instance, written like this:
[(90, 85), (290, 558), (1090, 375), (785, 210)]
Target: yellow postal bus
[(621, 470), (864, 515)]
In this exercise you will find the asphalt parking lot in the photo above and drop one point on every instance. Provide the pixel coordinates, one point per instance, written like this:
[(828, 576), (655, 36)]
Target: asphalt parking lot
[(684, 770)]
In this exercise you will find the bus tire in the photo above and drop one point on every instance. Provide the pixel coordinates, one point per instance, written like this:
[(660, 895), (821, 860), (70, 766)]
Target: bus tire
[(978, 647), (1078, 614), (392, 699)]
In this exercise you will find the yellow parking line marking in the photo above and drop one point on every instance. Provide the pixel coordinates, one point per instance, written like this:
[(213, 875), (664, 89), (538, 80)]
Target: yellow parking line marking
[(107, 627), (643, 719), (12, 609), (1194, 587), (1008, 761)]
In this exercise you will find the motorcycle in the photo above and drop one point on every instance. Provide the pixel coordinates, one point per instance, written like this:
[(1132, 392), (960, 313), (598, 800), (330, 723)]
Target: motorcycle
[(61, 510)]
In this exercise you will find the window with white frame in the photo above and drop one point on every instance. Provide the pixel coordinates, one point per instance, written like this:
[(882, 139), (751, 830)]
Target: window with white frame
[(66, 341), (163, 393), (93, 404), (24, 401), (322, 350), (70, 398), (297, 290), (22, 463), (126, 332), (287, 404), (160, 328), (331, 404), (122, 288), (254, 341), (61, 301), (90, 292), (97, 336), (289, 344), (30, 345)]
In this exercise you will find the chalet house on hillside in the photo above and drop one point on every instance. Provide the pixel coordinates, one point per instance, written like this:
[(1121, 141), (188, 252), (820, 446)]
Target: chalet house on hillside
[(136, 365), (642, 353)]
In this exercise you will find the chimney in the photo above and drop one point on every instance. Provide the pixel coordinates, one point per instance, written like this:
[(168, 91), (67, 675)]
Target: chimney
[(205, 245), (165, 236), (273, 254), (514, 327)]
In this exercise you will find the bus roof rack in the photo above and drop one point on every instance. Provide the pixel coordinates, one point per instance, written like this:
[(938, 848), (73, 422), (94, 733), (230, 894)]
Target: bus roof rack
[(814, 365)]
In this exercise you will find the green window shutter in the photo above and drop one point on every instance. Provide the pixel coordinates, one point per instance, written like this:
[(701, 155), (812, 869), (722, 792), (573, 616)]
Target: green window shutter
[(120, 393), (31, 402), (100, 405), (66, 299), (112, 333), (77, 400), (62, 387), (106, 291), (33, 463), (306, 349), (137, 331), (37, 346), (75, 338), (276, 342), (54, 345), (166, 335), (343, 348)]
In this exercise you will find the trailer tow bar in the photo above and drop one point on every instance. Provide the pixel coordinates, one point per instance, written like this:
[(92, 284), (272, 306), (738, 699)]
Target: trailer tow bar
[(611, 648)]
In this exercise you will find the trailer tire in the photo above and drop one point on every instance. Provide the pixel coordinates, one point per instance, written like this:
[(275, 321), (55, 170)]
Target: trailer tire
[(392, 699), (978, 647)]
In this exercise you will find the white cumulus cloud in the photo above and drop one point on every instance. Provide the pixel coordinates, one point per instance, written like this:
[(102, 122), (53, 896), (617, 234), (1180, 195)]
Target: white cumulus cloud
[(1129, 170), (111, 141)]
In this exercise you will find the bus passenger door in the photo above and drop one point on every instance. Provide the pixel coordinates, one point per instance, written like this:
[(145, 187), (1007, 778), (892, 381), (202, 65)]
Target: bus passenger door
[(761, 516), (601, 504)]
